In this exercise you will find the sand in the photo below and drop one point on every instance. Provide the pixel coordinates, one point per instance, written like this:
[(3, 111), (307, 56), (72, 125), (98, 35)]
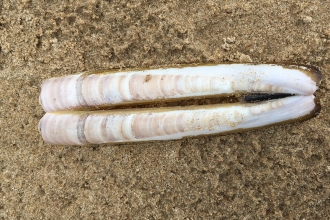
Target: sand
[(281, 172)]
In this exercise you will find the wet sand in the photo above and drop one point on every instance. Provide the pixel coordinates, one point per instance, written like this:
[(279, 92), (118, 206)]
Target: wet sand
[(279, 172)]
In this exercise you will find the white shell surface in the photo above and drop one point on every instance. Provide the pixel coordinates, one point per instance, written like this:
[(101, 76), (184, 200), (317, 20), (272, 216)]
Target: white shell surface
[(168, 123), (105, 90)]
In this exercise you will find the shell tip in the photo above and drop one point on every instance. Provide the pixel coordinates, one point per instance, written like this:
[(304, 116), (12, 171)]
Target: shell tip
[(317, 75)]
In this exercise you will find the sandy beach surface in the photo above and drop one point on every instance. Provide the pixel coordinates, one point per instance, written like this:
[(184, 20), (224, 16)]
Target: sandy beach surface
[(282, 172)]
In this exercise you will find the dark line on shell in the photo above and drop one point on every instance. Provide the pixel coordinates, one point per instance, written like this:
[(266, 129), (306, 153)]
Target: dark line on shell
[(81, 128), (81, 100)]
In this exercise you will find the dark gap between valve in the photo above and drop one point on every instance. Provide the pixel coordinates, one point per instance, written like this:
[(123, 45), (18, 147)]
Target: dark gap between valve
[(259, 97)]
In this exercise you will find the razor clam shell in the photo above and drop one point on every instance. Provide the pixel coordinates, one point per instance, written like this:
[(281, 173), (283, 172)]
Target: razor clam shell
[(95, 127), (106, 89)]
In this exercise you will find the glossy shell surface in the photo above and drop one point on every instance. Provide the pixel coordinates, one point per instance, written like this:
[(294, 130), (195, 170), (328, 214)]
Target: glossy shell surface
[(73, 103), (110, 88), (170, 123)]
